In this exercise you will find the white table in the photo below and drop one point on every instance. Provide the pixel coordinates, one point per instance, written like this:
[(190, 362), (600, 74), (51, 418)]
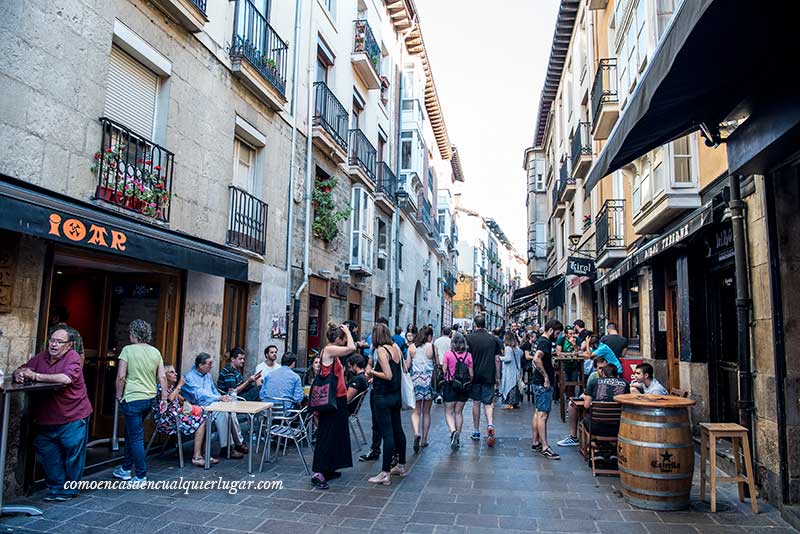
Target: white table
[(249, 408)]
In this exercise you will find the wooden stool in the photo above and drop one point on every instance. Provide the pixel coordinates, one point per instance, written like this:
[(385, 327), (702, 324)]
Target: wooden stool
[(709, 434)]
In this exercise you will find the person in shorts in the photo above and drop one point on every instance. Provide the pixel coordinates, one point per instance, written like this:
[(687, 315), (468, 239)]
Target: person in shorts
[(543, 380), (454, 400), (485, 348)]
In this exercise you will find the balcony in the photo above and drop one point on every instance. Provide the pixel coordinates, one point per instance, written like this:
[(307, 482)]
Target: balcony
[(329, 123), (259, 55), (558, 205), (605, 99), (363, 159), (424, 216), (247, 221), (449, 283), (566, 184), (656, 213), (610, 234), (387, 187), (581, 151), (366, 55), (133, 173), (191, 14)]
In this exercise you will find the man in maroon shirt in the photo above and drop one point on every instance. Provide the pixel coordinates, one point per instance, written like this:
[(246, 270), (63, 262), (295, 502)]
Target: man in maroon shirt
[(60, 416)]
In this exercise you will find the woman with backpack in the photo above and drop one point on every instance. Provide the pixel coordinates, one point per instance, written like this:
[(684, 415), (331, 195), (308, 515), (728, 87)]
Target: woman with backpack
[(458, 373)]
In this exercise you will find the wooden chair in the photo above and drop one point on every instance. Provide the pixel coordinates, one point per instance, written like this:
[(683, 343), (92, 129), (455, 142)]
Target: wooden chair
[(679, 392), (709, 434), (600, 413)]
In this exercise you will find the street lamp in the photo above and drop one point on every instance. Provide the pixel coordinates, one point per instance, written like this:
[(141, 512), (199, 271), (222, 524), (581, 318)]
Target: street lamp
[(402, 198)]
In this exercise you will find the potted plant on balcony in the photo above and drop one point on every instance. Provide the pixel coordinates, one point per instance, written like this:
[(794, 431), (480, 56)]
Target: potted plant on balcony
[(587, 221), (326, 216)]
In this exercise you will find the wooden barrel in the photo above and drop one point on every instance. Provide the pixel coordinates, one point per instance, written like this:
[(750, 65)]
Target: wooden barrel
[(655, 452)]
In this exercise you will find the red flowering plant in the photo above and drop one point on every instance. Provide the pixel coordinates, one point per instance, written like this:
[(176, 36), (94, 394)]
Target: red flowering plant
[(138, 185)]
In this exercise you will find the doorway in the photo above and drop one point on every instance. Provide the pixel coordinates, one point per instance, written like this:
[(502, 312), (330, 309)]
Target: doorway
[(723, 365), (316, 322)]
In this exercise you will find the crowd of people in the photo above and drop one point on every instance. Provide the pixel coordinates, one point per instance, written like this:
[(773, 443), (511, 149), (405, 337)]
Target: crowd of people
[(409, 368)]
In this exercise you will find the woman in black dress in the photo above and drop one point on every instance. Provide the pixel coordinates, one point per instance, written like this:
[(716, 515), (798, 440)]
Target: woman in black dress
[(333, 433), (388, 402)]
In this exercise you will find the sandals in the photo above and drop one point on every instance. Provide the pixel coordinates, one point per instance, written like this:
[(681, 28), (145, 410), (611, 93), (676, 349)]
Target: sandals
[(199, 461)]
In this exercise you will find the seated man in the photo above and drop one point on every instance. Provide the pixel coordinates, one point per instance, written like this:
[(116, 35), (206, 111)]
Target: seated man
[(199, 390), (604, 389), (645, 382), (283, 383), (230, 377), (606, 352), (358, 384), (60, 416), (572, 439)]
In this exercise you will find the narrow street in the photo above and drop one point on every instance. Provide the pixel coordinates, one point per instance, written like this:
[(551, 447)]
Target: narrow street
[(476, 489)]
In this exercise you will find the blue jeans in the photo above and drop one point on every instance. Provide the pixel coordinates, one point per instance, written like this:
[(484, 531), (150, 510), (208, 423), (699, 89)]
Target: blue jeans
[(61, 451), (135, 412), (544, 398)]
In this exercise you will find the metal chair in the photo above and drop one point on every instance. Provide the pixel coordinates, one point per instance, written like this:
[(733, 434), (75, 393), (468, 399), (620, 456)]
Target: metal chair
[(353, 419), (178, 435), (291, 426)]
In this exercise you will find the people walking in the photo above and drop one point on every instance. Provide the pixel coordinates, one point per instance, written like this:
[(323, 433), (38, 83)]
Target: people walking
[(332, 451), (484, 348), (509, 389), (458, 372), (421, 367), (386, 375), (543, 380), (139, 372)]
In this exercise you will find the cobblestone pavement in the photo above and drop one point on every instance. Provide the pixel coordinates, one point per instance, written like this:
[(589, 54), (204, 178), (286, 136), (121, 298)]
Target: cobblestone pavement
[(476, 489)]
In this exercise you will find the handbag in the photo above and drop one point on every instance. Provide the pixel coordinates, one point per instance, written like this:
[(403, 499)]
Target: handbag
[(322, 397), (409, 401), (520, 380)]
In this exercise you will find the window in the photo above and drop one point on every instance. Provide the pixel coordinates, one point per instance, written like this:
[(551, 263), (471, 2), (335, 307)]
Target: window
[(358, 108), (540, 250), (383, 244), (330, 7), (664, 11), (361, 253), (658, 171), (131, 93), (632, 311), (682, 160), (645, 189), (244, 172), (405, 150), (637, 194), (641, 35)]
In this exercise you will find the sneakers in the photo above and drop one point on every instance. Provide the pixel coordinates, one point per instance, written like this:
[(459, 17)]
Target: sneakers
[(476, 436), (453, 440), (549, 454), (122, 474), (136, 481), (370, 457), (536, 447), (416, 444), (490, 439), (399, 470), (319, 481), (381, 478), (569, 441), (458, 439)]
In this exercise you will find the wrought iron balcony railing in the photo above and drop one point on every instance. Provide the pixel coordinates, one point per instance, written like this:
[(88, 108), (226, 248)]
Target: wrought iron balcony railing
[(247, 221), (387, 181), (330, 114), (201, 5), (554, 198), (363, 154), (610, 225), (424, 214), (581, 143), (364, 41), (564, 179), (256, 41), (132, 172), (604, 88)]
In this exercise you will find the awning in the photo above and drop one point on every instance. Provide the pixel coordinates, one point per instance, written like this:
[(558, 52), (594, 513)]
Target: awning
[(557, 295), (524, 297), (715, 55), (688, 226), (38, 212)]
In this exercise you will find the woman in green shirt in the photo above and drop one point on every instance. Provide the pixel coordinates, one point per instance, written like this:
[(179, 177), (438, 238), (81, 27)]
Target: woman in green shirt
[(140, 370)]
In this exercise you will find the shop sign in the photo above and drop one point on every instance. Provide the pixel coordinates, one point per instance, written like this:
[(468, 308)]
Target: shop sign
[(721, 244), (579, 270), (339, 290), (79, 232)]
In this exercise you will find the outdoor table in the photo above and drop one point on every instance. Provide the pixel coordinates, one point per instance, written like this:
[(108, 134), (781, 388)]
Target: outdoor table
[(249, 408), (559, 359), (655, 451), (8, 387)]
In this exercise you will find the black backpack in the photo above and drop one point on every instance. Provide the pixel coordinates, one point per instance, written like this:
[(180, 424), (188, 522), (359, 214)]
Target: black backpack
[(461, 381)]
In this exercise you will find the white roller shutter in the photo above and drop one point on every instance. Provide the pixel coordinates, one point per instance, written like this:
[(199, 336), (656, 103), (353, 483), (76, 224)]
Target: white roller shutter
[(131, 93)]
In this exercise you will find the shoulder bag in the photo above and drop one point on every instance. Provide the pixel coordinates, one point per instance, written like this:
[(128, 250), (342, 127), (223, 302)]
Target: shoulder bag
[(322, 397), (406, 388)]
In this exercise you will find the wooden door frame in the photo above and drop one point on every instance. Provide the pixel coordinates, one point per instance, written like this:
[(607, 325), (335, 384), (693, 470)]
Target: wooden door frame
[(673, 333)]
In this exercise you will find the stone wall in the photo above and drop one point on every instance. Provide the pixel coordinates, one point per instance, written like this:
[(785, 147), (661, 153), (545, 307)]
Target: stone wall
[(202, 318)]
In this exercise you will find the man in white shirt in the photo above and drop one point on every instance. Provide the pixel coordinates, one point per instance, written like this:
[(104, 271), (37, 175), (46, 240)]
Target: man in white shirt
[(441, 345), (645, 382), (269, 365)]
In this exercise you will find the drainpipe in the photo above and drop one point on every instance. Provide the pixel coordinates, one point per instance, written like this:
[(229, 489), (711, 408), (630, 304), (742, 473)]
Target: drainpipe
[(292, 166), (308, 182), (746, 404)]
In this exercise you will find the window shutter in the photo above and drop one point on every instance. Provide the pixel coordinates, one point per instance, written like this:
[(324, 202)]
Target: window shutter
[(131, 93)]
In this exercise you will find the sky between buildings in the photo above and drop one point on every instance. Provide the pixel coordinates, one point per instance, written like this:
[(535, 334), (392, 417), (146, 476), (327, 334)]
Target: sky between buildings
[(488, 60)]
